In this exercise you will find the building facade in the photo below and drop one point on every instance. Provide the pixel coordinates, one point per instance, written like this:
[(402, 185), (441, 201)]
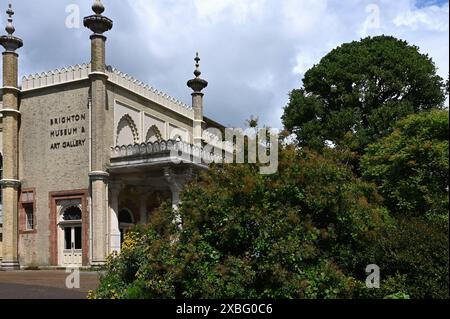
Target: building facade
[(86, 153)]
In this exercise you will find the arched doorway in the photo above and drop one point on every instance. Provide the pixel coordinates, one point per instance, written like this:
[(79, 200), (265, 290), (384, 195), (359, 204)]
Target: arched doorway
[(126, 222), (70, 238)]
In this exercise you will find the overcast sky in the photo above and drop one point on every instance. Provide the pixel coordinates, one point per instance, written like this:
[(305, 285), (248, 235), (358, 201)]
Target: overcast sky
[(254, 52)]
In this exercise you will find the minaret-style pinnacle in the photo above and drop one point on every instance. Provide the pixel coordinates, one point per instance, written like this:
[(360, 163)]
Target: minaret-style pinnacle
[(10, 27), (98, 23), (98, 7), (197, 84), (197, 72), (10, 42)]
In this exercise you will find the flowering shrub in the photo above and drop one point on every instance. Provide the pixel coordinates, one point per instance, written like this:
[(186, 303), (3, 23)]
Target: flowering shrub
[(245, 235)]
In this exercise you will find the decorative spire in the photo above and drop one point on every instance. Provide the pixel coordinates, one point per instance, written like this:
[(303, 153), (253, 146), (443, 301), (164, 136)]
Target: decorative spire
[(10, 27), (197, 72), (98, 7), (98, 23), (197, 84), (10, 42)]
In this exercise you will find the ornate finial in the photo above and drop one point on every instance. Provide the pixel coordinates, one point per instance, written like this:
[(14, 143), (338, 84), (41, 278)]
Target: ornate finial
[(9, 41), (10, 27), (98, 7), (197, 84), (98, 23), (197, 71)]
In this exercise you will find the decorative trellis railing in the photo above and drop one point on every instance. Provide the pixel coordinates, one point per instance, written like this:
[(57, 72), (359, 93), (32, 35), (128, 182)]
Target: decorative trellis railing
[(178, 150)]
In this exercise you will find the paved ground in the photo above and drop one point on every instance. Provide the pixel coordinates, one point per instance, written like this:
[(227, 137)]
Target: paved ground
[(44, 284)]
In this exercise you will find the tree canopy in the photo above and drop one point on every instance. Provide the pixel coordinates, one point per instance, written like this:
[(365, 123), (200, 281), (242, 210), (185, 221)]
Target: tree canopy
[(411, 166), (359, 90)]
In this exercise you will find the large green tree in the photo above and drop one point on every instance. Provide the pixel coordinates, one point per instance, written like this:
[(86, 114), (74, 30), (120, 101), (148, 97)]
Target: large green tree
[(359, 90), (411, 165), (246, 235)]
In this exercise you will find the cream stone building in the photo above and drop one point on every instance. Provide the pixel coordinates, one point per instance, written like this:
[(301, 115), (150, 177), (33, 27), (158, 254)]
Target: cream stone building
[(86, 153)]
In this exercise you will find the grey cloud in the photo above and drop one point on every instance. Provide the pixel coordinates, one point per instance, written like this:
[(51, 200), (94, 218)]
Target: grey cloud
[(249, 64)]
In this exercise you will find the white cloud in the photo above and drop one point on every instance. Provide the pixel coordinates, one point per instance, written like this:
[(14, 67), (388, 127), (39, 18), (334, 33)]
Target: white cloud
[(235, 11), (432, 18), (265, 81), (253, 51), (304, 61), (303, 17)]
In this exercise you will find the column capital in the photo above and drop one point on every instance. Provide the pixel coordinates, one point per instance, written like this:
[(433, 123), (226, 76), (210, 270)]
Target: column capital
[(11, 89), (176, 182), (14, 53), (98, 75), (115, 187), (98, 176), (9, 111), (98, 36), (10, 183)]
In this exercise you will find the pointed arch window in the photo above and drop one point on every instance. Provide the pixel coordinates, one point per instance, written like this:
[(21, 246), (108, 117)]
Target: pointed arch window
[(127, 131), (72, 213), (153, 135)]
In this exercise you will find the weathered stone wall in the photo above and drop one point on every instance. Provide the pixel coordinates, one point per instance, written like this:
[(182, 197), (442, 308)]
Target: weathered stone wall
[(1, 216), (54, 147), (150, 113), (54, 155), (1, 242)]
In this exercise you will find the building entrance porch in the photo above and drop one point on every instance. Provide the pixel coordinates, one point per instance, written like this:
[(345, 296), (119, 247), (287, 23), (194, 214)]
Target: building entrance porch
[(141, 177)]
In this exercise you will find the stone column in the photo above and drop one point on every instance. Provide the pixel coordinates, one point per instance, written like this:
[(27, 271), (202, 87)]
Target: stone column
[(197, 85), (114, 192), (11, 117), (175, 189), (98, 24), (143, 193), (143, 207), (99, 196), (176, 184), (197, 105)]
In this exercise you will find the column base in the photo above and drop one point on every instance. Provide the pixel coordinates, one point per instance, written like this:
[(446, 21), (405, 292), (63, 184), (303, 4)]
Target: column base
[(10, 265), (98, 263)]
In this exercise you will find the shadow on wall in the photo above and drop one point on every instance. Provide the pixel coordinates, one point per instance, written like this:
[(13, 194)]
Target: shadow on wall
[(1, 234)]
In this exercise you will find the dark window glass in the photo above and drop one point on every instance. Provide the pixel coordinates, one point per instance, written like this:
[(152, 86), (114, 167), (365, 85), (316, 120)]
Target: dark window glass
[(78, 244), (121, 236), (68, 238), (125, 217), (29, 216), (72, 213)]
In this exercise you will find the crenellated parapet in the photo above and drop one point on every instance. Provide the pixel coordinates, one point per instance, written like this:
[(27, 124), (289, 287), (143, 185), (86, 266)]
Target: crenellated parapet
[(81, 72), (58, 76)]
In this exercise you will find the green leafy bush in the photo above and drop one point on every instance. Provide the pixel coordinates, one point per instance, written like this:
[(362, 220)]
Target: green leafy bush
[(410, 166), (246, 235), (413, 257)]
